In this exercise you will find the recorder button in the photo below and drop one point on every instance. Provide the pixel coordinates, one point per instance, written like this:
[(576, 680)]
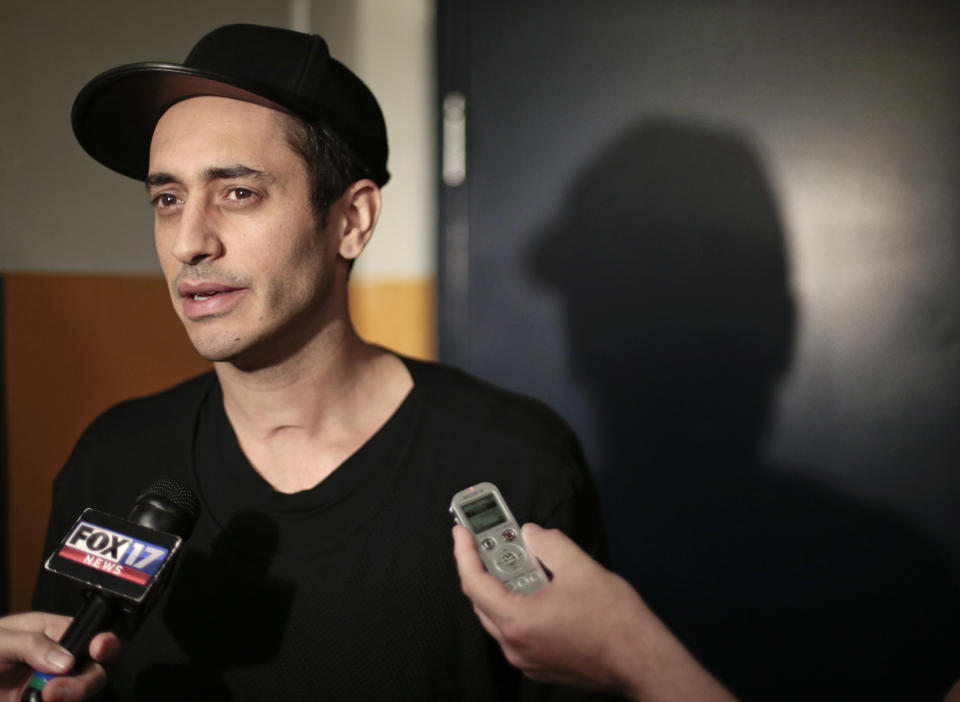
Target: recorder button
[(509, 559), (509, 534), (488, 544)]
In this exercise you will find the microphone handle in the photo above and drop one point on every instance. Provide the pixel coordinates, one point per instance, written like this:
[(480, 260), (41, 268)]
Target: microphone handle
[(96, 615)]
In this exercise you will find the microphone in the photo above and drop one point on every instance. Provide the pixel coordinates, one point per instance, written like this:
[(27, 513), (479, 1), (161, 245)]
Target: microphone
[(123, 563)]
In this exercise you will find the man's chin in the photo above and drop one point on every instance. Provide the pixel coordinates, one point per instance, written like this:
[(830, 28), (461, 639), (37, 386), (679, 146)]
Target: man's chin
[(246, 357), (219, 350), (255, 350)]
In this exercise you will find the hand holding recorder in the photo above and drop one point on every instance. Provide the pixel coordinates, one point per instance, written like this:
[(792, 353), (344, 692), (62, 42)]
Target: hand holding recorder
[(587, 628), (28, 642)]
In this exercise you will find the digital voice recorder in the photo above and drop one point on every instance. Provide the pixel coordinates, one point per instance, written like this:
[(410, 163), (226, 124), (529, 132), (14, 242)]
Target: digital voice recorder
[(483, 511)]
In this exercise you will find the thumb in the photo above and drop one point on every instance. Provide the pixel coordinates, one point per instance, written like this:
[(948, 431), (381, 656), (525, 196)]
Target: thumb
[(486, 591), (36, 650)]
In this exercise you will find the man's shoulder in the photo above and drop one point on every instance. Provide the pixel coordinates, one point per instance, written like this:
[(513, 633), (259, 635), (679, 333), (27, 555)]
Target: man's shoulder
[(455, 390), (474, 410), (157, 409), (474, 431), (141, 425), (130, 445)]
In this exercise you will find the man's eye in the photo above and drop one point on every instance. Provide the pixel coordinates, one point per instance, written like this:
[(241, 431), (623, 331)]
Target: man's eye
[(165, 200), (240, 194)]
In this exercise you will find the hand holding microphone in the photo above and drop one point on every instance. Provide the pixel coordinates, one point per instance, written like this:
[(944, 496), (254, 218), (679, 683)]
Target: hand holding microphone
[(123, 565), (28, 641)]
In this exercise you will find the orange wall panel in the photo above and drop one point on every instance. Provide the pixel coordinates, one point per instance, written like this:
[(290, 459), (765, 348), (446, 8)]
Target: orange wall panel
[(74, 346), (397, 314)]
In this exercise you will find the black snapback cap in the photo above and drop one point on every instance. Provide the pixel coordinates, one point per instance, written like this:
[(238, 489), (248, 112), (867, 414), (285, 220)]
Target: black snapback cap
[(115, 114)]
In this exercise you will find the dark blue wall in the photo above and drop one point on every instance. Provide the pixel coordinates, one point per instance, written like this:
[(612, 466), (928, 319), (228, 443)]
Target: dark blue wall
[(722, 239)]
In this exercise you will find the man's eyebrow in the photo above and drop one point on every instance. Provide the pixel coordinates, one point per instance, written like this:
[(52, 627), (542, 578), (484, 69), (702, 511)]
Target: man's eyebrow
[(235, 171), (210, 174), (160, 178)]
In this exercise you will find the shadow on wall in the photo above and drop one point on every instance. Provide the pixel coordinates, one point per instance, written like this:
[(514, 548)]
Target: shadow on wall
[(670, 262)]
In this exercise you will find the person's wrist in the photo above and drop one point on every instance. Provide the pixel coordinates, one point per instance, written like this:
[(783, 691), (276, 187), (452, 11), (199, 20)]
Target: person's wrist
[(633, 648)]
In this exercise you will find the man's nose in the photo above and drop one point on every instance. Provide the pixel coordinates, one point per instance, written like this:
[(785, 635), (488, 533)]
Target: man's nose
[(198, 236)]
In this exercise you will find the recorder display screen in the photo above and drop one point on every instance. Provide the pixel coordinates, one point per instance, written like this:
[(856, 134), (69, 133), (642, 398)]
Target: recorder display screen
[(483, 513)]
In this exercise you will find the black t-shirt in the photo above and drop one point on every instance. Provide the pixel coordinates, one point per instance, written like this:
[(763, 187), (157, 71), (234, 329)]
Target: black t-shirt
[(344, 591)]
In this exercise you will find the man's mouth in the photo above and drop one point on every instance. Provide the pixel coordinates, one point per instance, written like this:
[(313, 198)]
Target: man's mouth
[(208, 299), (203, 291), (200, 296)]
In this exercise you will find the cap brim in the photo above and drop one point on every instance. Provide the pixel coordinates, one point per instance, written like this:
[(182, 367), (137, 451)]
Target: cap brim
[(115, 114)]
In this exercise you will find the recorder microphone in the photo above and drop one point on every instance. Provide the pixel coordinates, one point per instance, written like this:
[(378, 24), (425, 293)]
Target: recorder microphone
[(123, 564)]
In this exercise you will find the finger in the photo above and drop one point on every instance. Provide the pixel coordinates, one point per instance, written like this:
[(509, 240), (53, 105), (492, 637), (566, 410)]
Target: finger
[(473, 574), (465, 552), (483, 589), (487, 623), (74, 688), (34, 649), (53, 625), (105, 647), (471, 568)]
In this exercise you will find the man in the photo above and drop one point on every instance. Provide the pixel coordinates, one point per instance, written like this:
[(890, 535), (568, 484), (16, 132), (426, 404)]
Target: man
[(320, 565)]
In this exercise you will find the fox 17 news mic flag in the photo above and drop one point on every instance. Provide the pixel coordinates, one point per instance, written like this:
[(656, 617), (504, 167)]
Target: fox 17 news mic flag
[(122, 564)]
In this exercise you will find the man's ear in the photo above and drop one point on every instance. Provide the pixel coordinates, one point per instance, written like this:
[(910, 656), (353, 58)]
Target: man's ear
[(360, 206)]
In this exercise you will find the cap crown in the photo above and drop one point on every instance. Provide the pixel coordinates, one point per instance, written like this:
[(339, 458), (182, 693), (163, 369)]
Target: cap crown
[(115, 113)]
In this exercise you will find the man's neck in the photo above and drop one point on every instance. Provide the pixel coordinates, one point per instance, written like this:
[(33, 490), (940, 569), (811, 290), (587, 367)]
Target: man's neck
[(299, 420)]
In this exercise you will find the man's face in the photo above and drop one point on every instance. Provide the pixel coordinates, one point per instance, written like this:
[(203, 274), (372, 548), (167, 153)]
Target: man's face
[(248, 270)]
